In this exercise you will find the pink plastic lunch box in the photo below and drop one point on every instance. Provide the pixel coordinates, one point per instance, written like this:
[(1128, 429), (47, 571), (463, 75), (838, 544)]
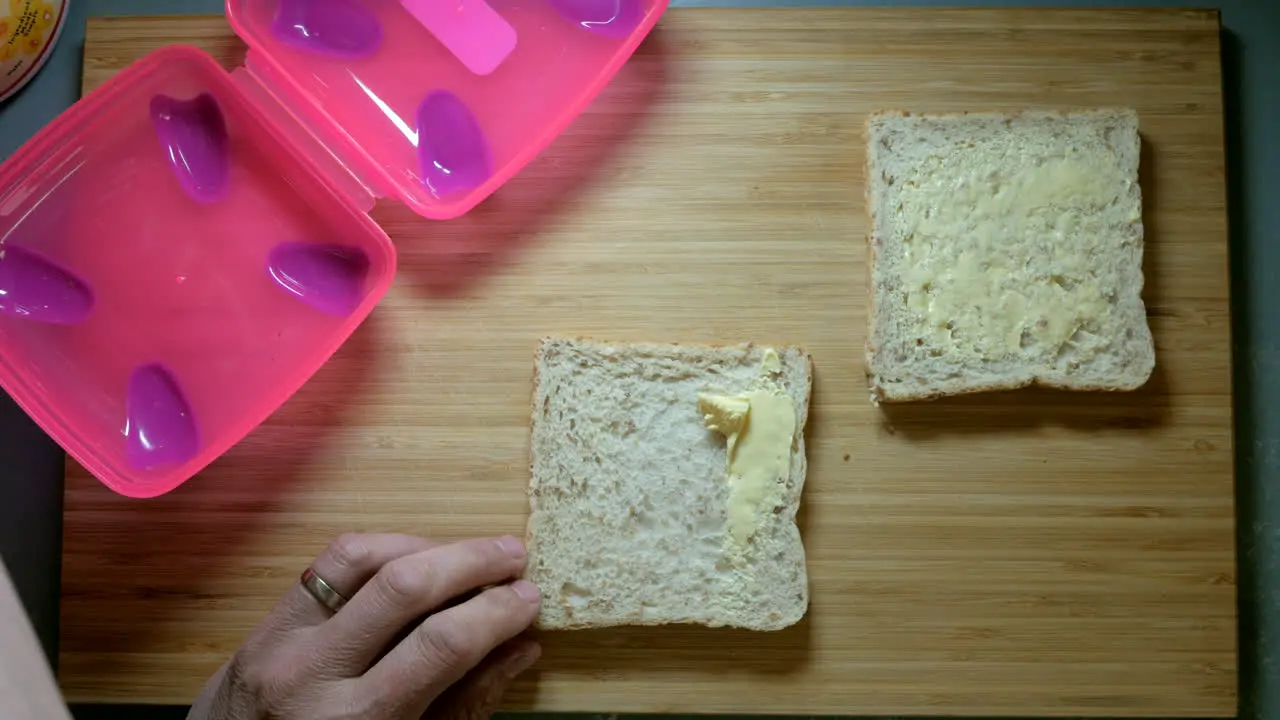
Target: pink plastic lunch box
[(183, 248)]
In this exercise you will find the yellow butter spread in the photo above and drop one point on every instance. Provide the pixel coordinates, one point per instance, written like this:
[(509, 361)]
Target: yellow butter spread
[(772, 364), (1000, 250), (726, 415), (758, 425)]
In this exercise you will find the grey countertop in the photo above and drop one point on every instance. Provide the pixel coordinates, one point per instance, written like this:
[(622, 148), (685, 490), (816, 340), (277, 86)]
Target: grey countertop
[(31, 466)]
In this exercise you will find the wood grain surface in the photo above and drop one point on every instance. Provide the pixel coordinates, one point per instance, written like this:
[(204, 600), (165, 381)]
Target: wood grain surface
[(1035, 552)]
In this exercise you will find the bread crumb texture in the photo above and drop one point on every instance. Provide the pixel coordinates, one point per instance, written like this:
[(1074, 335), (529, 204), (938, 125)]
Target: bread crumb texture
[(630, 495), (1006, 251)]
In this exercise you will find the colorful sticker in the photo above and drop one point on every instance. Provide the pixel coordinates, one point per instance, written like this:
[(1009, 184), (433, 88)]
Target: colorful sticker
[(28, 31)]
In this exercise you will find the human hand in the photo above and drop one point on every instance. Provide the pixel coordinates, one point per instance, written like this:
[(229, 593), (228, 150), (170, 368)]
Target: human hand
[(377, 658)]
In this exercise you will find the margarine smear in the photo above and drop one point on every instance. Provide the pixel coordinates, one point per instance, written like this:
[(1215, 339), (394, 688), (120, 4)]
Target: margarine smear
[(772, 364), (758, 426), (725, 415), (968, 260)]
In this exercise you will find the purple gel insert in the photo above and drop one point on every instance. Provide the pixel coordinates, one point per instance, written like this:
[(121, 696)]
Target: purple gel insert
[(159, 426), (451, 146), (330, 278), (611, 18), (193, 135), (342, 29), (35, 288)]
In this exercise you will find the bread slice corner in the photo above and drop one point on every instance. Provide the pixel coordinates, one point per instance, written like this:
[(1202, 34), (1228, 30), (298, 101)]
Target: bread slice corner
[(628, 490), (1005, 250)]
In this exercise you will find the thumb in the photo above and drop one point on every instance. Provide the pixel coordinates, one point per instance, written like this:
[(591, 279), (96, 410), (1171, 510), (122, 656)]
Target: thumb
[(479, 694)]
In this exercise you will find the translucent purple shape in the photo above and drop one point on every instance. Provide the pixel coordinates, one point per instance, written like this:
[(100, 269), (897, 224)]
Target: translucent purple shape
[(160, 428), (452, 148), (35, 288), (330, 278), (193, 135), (611, 18), (343, 29)]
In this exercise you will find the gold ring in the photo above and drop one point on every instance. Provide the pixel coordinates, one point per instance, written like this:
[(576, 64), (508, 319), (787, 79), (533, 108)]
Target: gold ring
[(322, 591)]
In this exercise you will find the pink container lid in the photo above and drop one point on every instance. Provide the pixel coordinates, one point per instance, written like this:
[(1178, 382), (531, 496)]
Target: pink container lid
[(183, 248), (492, 82)]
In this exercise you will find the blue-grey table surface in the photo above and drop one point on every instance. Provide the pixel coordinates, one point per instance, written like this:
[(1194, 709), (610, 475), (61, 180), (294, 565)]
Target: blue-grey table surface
[(31, 466)]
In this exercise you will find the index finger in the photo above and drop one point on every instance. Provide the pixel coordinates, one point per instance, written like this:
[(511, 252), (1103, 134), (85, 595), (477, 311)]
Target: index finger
[(445, 647)]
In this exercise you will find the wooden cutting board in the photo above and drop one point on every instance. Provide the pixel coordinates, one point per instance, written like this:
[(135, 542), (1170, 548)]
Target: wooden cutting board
[(1034, 552)]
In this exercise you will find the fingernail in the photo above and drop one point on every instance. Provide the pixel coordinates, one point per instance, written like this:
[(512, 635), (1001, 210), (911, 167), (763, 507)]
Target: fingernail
[(527, 590), (511, 546)]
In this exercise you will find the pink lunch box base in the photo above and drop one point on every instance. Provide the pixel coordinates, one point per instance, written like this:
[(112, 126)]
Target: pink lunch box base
[(180, 271), (179, 254)]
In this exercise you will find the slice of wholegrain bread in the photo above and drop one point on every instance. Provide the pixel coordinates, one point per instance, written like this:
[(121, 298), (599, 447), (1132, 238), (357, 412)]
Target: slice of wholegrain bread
[(630, 491), (1006, 250)]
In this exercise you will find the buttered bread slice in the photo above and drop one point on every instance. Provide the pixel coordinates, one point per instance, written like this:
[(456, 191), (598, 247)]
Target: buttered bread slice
[(665, 484), (1006, 250)]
